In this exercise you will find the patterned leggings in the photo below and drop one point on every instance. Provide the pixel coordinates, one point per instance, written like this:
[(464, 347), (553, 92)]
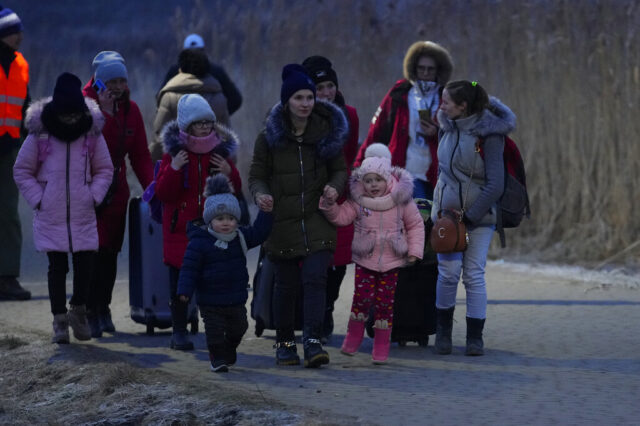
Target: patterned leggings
[(377, 289)]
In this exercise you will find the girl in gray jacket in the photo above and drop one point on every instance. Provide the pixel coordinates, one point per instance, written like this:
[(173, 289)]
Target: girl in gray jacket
[(470, 183)]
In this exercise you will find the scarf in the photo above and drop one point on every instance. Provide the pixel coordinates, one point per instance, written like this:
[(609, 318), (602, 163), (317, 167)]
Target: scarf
[(223, 240), (62, 131), (201, 145)]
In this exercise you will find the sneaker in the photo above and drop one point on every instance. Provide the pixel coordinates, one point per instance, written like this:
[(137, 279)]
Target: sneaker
[(60, 329), (78, 321), (219, 366), (287, 353), (10, 289), (314, 355)]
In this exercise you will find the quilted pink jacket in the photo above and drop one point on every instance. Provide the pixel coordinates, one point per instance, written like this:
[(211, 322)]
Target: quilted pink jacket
[(63, 182), (388, 229)]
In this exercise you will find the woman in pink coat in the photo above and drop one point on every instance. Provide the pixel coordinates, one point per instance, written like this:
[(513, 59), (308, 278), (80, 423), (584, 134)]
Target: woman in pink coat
[(389, 234), (63, 170)]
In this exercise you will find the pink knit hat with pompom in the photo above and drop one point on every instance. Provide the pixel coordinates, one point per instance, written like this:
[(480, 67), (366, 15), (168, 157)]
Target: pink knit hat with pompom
[(377, 159)]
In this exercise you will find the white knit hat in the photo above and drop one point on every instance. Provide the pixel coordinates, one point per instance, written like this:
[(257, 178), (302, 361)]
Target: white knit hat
[(193, 107)]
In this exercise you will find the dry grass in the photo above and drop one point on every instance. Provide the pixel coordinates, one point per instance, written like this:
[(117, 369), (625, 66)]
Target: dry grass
[(569, 69)]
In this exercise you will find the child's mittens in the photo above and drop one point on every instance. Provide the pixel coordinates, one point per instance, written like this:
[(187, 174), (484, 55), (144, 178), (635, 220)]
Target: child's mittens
[(326, 203), (330, 192)]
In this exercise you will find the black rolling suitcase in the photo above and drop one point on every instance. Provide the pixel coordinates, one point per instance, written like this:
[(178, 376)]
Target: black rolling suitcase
[(148, 276), (414, 307), (262, 301)]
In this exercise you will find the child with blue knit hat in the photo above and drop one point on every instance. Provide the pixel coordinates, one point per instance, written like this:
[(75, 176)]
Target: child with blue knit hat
[(215, 268)]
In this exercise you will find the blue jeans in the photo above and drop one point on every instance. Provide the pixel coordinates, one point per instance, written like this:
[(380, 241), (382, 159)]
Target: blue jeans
[(422, 189), (471, 263)]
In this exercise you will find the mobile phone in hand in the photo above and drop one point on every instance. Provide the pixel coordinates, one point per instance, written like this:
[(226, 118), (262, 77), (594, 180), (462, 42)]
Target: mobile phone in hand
[(425, 115), (98, 86)]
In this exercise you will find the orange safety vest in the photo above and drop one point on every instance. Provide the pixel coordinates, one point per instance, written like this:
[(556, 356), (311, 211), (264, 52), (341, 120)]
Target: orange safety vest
[(13, 93)]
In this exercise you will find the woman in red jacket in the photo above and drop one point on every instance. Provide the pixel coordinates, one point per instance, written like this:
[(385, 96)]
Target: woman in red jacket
[(125, 135), (196, 147), (326, 80), (406, 120)]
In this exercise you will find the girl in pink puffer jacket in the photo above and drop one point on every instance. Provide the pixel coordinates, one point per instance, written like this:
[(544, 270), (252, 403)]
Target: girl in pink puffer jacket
[(389, 234), (63, 170)]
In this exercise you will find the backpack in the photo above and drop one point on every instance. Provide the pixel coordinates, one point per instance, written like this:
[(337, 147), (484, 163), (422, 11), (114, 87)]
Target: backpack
[(513, 204)]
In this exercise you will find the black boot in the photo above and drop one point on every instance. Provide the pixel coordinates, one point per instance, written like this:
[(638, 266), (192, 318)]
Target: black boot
[(475, 345), (314, 355), (217, 356), (180, 337), (94, 324), (286, 351), (10, 289), (444, 328), (327, 326), (106, 323)]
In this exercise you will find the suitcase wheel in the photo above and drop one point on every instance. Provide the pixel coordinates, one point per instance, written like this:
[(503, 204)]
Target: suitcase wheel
[(194, 327), (150, 330), (402, 343), (423, 342)]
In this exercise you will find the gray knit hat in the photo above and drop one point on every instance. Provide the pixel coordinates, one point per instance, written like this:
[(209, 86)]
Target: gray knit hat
[(109, 65), (219, 200), (193, 107)]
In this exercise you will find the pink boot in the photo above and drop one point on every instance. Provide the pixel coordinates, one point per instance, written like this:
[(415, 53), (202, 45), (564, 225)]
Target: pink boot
[(355, 333), (381, 343)]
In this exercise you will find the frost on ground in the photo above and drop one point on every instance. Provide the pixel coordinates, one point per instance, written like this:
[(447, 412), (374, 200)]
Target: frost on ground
[(42, 383), (616, 276)]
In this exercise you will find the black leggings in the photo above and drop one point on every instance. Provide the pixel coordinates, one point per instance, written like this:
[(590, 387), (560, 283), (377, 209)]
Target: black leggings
[(57, 277), (103, 280)]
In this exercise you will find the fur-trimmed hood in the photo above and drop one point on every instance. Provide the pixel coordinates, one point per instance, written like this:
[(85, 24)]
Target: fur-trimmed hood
[(170, 138), (33, 118), (327, 128), (496, 119), (433, 50), (399, 191)]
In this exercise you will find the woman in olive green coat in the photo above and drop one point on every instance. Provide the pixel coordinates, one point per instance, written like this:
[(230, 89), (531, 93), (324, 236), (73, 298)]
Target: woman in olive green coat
[(297, 158)]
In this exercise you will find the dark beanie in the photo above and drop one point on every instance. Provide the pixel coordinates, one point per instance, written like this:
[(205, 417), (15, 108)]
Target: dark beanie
[(319, 68), (10, 23), (294, 78), (67, 95)]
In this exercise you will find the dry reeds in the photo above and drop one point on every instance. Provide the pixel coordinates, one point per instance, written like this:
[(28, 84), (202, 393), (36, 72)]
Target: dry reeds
[(570, 70)]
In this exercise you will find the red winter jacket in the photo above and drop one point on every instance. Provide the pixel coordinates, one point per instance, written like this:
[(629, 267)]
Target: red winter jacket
[(342, 255), (396, 134), (181, 191), (125, 136)]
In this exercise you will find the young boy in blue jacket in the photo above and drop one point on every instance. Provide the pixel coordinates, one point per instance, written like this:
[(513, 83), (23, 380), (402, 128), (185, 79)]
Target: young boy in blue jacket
[(215, 268)]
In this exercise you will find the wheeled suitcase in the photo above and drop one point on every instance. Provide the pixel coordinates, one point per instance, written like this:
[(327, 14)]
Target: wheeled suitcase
[(262, 301), (414, 307), (148, 276)]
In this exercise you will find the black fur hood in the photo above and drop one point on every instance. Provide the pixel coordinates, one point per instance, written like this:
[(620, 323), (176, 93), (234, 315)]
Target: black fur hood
[(328, 128)]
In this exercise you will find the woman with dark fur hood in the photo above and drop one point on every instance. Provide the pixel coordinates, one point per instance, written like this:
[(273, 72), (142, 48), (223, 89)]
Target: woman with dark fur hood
[(471, 183), (406, 119), (297, 158), (196, 146)]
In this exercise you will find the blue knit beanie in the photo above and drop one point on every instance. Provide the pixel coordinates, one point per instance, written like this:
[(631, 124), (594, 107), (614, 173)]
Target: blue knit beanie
[(109, 65), (10, 23), (294, 78), (193, 107), (219, 200), (106, 56)]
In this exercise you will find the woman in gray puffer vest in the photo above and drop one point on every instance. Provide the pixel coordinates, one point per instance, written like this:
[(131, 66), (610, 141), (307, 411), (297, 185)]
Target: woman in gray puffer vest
[(470, 183)]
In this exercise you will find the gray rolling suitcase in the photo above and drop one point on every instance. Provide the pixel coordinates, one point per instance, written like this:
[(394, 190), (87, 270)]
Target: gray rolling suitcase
[(148, 276)]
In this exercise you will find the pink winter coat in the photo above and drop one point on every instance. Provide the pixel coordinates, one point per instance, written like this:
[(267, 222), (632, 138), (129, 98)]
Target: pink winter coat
[(388, 229), (63, 182)]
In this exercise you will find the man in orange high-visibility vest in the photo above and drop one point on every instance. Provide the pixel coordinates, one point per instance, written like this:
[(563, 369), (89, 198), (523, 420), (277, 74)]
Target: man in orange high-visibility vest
[(14, 98)]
